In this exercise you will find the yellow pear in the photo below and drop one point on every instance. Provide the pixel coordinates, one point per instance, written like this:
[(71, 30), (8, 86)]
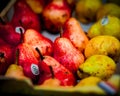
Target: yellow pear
[(89, 85), (108, 25), (108, 9), (52, 82), (16, 71), (88, 81), (85, 10), (104, 45), (100, 66)]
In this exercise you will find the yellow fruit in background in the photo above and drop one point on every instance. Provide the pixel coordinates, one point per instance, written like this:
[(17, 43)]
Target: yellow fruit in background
[(89, 85), (108, 9), (100, 66), (109, 25), (115, 80), (36, 5), (88, 81), (114, 1), (104, 45), (85, 10)]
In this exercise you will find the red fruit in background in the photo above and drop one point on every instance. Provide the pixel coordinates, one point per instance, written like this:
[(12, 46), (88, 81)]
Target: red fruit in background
[(71, 3), (6, 56), (10, 34), (28, 61), (55, 14), (24, 16), (47, 1), (36, 39)]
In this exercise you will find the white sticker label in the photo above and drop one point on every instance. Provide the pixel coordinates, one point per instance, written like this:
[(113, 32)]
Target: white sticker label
[(19, 29), (35, 69), (104, 21)]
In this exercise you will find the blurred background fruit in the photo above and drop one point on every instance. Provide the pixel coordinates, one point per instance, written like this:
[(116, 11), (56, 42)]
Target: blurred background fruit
[(36, 5), (55, 15), (114, 1), (85, 10), (108, 9)]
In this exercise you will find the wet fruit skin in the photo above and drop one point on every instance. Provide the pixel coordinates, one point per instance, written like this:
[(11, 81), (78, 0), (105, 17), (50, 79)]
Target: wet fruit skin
[(97, 65)]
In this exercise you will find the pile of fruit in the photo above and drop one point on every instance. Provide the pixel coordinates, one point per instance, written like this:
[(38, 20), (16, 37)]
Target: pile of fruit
[(75, 58)]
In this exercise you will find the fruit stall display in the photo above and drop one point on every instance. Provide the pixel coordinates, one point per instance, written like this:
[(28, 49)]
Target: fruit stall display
[(59, 48)]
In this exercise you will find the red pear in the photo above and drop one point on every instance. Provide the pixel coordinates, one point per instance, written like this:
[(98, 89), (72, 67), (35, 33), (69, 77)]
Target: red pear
[(16, 71), (36, 39), (24, 15), (27, 59), (67, 54), (6, 56), (75, 33), (11, 34), (55, 14), (61, 73)]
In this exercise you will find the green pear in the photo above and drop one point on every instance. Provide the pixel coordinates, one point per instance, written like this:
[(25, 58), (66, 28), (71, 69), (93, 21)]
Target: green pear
[(100, 66), (108, 25)]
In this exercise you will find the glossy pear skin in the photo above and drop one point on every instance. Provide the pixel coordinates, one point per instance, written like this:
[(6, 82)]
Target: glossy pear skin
[(35, 39), (74, 32), (61, 73), (67, 54), (28, 61)]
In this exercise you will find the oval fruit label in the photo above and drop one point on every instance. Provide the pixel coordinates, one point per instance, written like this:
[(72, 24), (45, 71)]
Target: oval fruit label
[(35, 69), (105, 20), (19, 29)]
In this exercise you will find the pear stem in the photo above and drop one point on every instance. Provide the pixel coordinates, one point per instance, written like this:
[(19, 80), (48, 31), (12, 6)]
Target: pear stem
[(61, 31), (21, 35), (1, 55), (41, 56), (51, 69), (17, 56)]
